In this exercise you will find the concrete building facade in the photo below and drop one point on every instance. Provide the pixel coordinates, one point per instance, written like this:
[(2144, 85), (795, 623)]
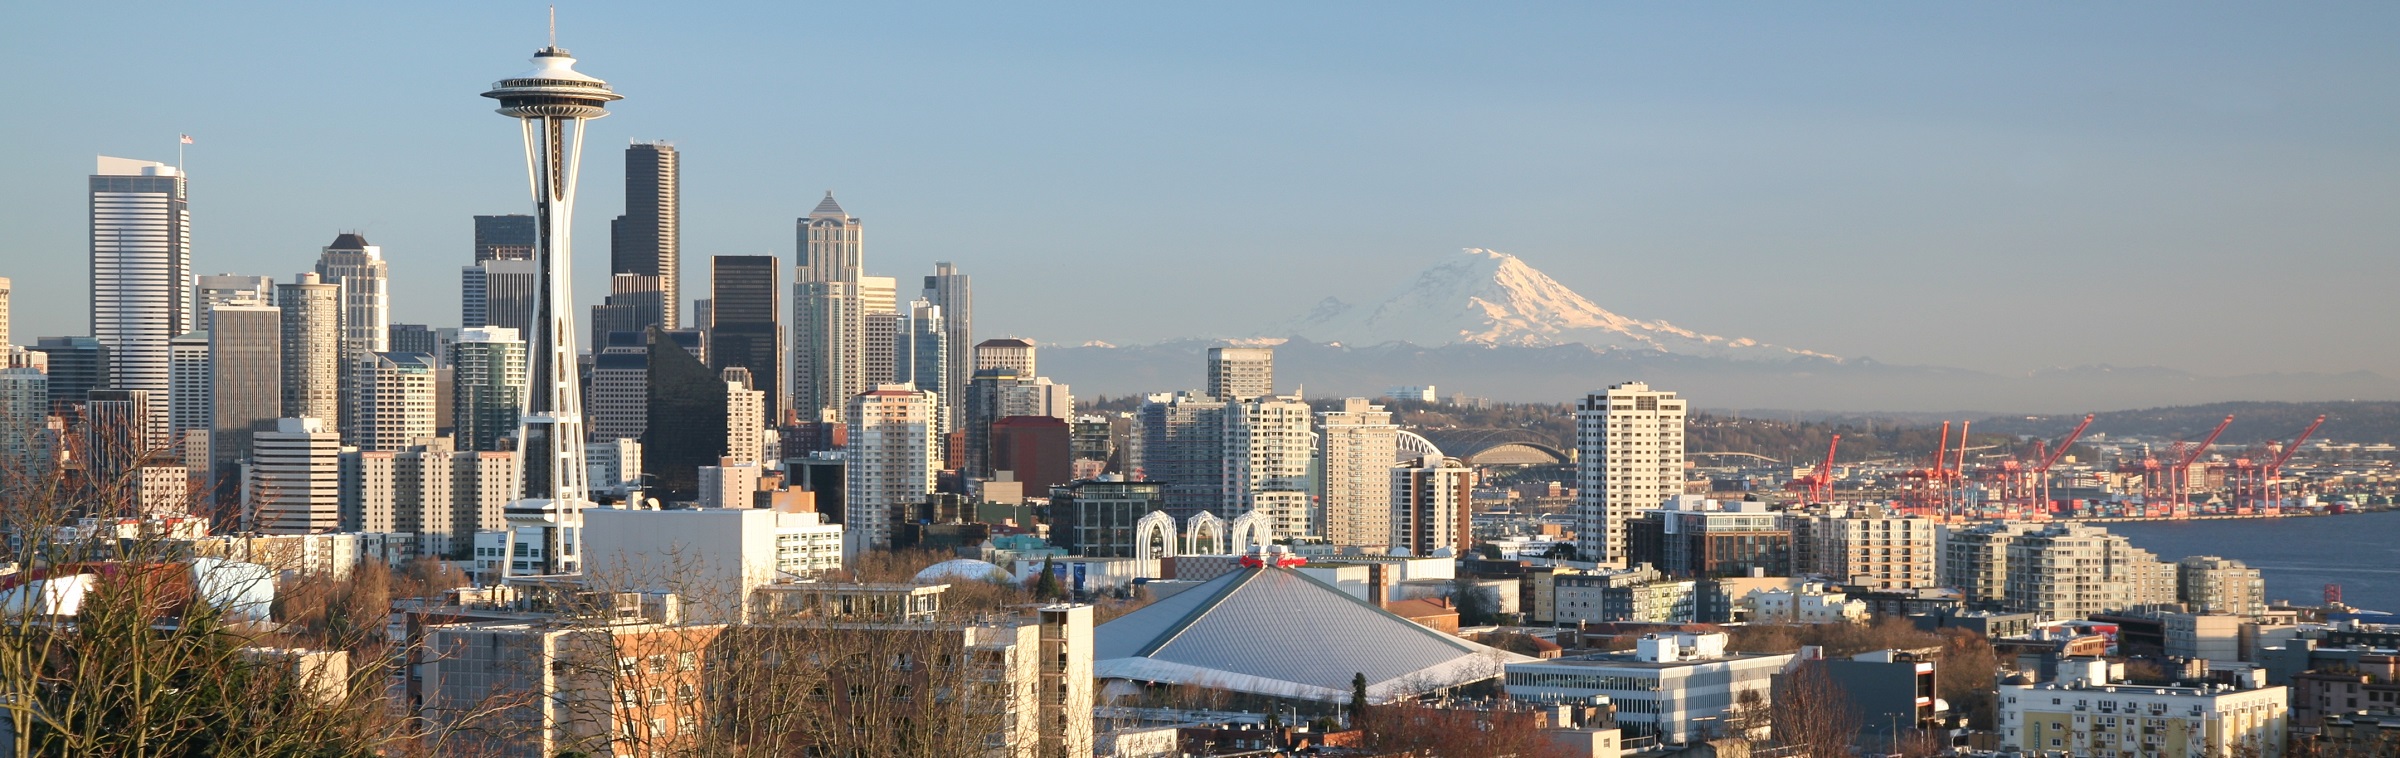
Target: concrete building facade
[(1629, 443)]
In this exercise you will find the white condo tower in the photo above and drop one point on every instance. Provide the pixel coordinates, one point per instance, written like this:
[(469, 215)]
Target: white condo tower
[(551, 102)]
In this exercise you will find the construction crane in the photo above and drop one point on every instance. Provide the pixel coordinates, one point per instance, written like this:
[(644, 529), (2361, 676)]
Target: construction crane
[(2179, 478), (2041, 471), (1957, 474), (2271, 474), (1820, 481)]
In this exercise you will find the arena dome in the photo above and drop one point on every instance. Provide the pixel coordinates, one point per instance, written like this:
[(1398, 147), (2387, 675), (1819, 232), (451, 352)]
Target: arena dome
[(962, 570)]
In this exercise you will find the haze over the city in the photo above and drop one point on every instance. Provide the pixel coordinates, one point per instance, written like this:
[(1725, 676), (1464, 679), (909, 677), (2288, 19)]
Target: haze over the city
[(1991, 187)]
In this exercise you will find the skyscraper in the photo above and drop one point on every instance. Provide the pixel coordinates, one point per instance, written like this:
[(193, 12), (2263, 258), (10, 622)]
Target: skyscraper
[(190, 409), (78, 365), (1183, 446), (632, 306), (24, 415), (1240, 373), (1357, 446), (504, 238), (394, 409), (926, 339), (954, 293), (1430, 499), (745, 418), (498, 293), (228, 289), (892, 462), (1267, 457), (141, 268), (245, 372), (294, 484), (366, 292), (487, 386), (312, 348), (879, 326), (686, 425), (744, 331), (5, 290), (116, 435), (828, 313), (1010, 353), (646, 241), (1629, 443), (551, 103)]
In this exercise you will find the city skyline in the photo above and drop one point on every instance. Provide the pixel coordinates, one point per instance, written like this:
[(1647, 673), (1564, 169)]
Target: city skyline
[(2071, 176)]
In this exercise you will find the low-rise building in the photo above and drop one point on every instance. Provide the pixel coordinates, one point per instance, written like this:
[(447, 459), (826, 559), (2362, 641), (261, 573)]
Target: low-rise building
[(1676, 687), (2084, 713), (1811, 603)]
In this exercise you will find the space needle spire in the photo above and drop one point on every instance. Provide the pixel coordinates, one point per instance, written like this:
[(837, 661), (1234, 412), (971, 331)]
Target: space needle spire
[(551, 102)]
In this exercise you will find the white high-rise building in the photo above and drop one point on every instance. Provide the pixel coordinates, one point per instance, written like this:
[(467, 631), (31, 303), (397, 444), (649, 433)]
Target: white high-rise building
[(366, 292), (1974, 558), (1357, 446), (24, 416), (294, 479), (1268, 449), (394, 407), (829, 312), (1629, 441), (1241, 373), (1867, 546), (1012, 353), (893, 459), (5, 289), (878, 301), (313, 354), (141, 273), (745, 418), (1430, 500), (2071, 571)]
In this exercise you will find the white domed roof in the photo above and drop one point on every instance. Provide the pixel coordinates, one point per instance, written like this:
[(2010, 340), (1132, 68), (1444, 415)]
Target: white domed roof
[(962, 569)]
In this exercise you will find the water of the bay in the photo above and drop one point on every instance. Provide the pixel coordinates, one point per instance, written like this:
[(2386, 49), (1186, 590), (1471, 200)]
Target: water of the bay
[(2297, 556)]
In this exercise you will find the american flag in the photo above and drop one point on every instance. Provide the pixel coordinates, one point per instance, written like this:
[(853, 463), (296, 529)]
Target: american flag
[(187, 139)]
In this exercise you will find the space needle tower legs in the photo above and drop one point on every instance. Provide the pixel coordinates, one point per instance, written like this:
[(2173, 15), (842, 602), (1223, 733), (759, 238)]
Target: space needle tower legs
[(551, 102)]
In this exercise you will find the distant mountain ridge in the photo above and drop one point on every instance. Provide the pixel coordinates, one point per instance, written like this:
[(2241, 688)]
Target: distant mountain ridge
[(1487, 297)]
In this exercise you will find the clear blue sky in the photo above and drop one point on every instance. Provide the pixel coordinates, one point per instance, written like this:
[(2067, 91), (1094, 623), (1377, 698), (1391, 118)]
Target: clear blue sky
[(2002, 186)]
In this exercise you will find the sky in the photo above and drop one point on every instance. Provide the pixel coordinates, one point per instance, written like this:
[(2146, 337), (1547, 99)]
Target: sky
[(2000, 186)]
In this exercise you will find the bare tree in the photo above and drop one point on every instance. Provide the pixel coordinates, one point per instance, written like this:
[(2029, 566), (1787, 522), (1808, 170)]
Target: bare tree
[(1812, 715)]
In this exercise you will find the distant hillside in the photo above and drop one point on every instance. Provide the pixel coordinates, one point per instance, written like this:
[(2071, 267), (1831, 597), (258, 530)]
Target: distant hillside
[(1562, 373), (2253, 422)]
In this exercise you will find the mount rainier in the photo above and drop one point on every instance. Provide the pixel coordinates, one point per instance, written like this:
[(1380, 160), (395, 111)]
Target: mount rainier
[(1491, 298)]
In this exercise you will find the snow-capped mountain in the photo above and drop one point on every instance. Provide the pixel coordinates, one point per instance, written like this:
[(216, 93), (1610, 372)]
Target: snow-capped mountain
[(1487, 297)]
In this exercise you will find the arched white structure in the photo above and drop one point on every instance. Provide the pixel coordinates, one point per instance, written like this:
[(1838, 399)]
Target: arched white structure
[(1206, 524), (1157, 524), (1252, 530), (1414, 446)]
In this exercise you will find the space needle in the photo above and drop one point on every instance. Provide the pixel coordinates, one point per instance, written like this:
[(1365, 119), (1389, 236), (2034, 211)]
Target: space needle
[(551, 102)]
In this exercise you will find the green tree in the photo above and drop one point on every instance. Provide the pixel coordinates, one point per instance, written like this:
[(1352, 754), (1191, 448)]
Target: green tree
[(1358, 696), (1046, 586)]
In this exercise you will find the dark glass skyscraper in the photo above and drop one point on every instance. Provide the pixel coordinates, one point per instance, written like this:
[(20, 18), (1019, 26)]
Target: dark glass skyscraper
[(686, 427), (744, 331), (78, 365), (508, 237), (646, 241), (954, 294)]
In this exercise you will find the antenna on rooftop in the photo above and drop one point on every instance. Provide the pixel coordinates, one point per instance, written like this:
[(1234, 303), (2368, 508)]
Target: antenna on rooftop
[(553, 26)]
